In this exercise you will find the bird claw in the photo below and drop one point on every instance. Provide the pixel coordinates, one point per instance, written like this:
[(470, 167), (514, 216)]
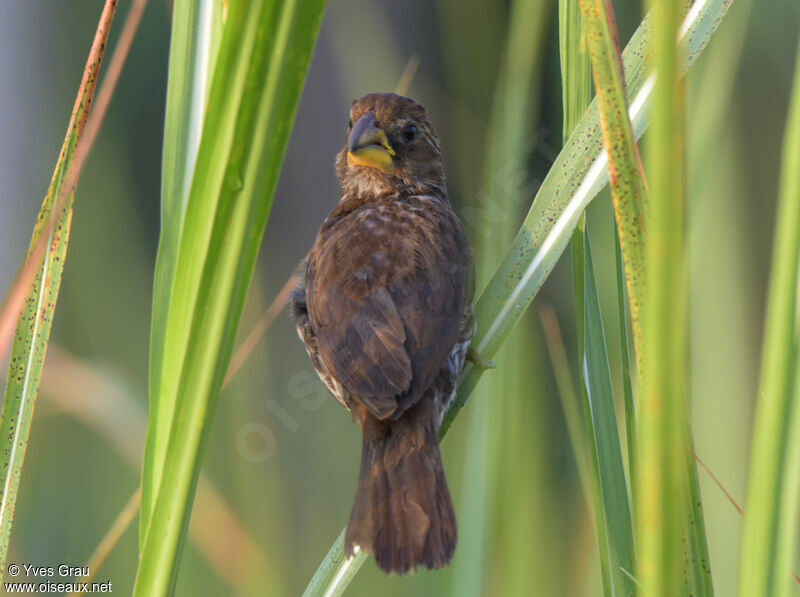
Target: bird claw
[(478, 361)]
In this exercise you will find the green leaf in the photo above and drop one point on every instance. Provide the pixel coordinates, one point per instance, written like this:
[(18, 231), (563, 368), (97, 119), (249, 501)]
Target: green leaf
[(259, 71), (575, 66), (612, 510), (189, 60), (631, 430), (769, 537), (627, 180), (663, 491), (576, 96), (335, 572), (608, 490), (575, 178), (699, 572), (49, 247)]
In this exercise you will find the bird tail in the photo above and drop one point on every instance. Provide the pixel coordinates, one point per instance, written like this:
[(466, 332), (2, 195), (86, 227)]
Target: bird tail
[(402, 513)]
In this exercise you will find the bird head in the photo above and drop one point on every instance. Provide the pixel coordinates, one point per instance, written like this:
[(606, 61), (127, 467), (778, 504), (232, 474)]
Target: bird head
[(391, 144)]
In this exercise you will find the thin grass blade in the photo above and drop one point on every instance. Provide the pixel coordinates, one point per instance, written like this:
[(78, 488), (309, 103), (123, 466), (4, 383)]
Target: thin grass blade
[(102, 402), (576, 79), (46, 256), (612, 509), (628, 188), (576, 93), (573, 417), (699, 566), (631, 428), (769, 537), (499, 496)]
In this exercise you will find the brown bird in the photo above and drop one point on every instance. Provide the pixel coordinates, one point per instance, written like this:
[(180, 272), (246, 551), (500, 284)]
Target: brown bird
[(385, 310)]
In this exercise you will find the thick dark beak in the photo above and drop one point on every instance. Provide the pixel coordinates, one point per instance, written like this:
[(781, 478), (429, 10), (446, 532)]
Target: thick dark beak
[(368, 145)]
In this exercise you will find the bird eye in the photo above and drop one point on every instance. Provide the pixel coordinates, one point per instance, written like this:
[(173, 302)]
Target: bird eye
[(409, 133)]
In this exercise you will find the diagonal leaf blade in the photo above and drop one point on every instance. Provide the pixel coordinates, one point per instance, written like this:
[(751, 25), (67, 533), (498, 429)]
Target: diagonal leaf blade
[(49, 245)]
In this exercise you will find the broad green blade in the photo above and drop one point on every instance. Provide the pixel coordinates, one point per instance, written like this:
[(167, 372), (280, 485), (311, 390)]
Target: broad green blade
[(257, 77), (769, 537), (576, 177), (662, 493), (192, 54), (33, 326)]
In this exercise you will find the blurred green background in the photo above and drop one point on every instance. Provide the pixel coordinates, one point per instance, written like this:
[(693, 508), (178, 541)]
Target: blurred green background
[(283, 458)]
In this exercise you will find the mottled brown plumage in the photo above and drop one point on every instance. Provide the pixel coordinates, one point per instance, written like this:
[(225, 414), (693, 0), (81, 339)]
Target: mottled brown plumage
[(385, 312)]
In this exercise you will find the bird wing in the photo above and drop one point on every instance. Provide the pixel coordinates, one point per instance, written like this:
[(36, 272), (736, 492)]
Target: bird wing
[(387, 286)]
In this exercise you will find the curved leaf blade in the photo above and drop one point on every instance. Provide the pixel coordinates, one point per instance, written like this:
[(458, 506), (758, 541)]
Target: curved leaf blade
[(49, 244), (769, 537)]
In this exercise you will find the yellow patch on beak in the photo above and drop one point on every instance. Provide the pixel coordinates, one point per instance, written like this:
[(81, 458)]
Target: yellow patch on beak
[(372, 157), (368, 146)]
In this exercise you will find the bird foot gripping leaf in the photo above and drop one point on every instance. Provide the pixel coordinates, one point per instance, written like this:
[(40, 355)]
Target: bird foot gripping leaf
[(474, 357)]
